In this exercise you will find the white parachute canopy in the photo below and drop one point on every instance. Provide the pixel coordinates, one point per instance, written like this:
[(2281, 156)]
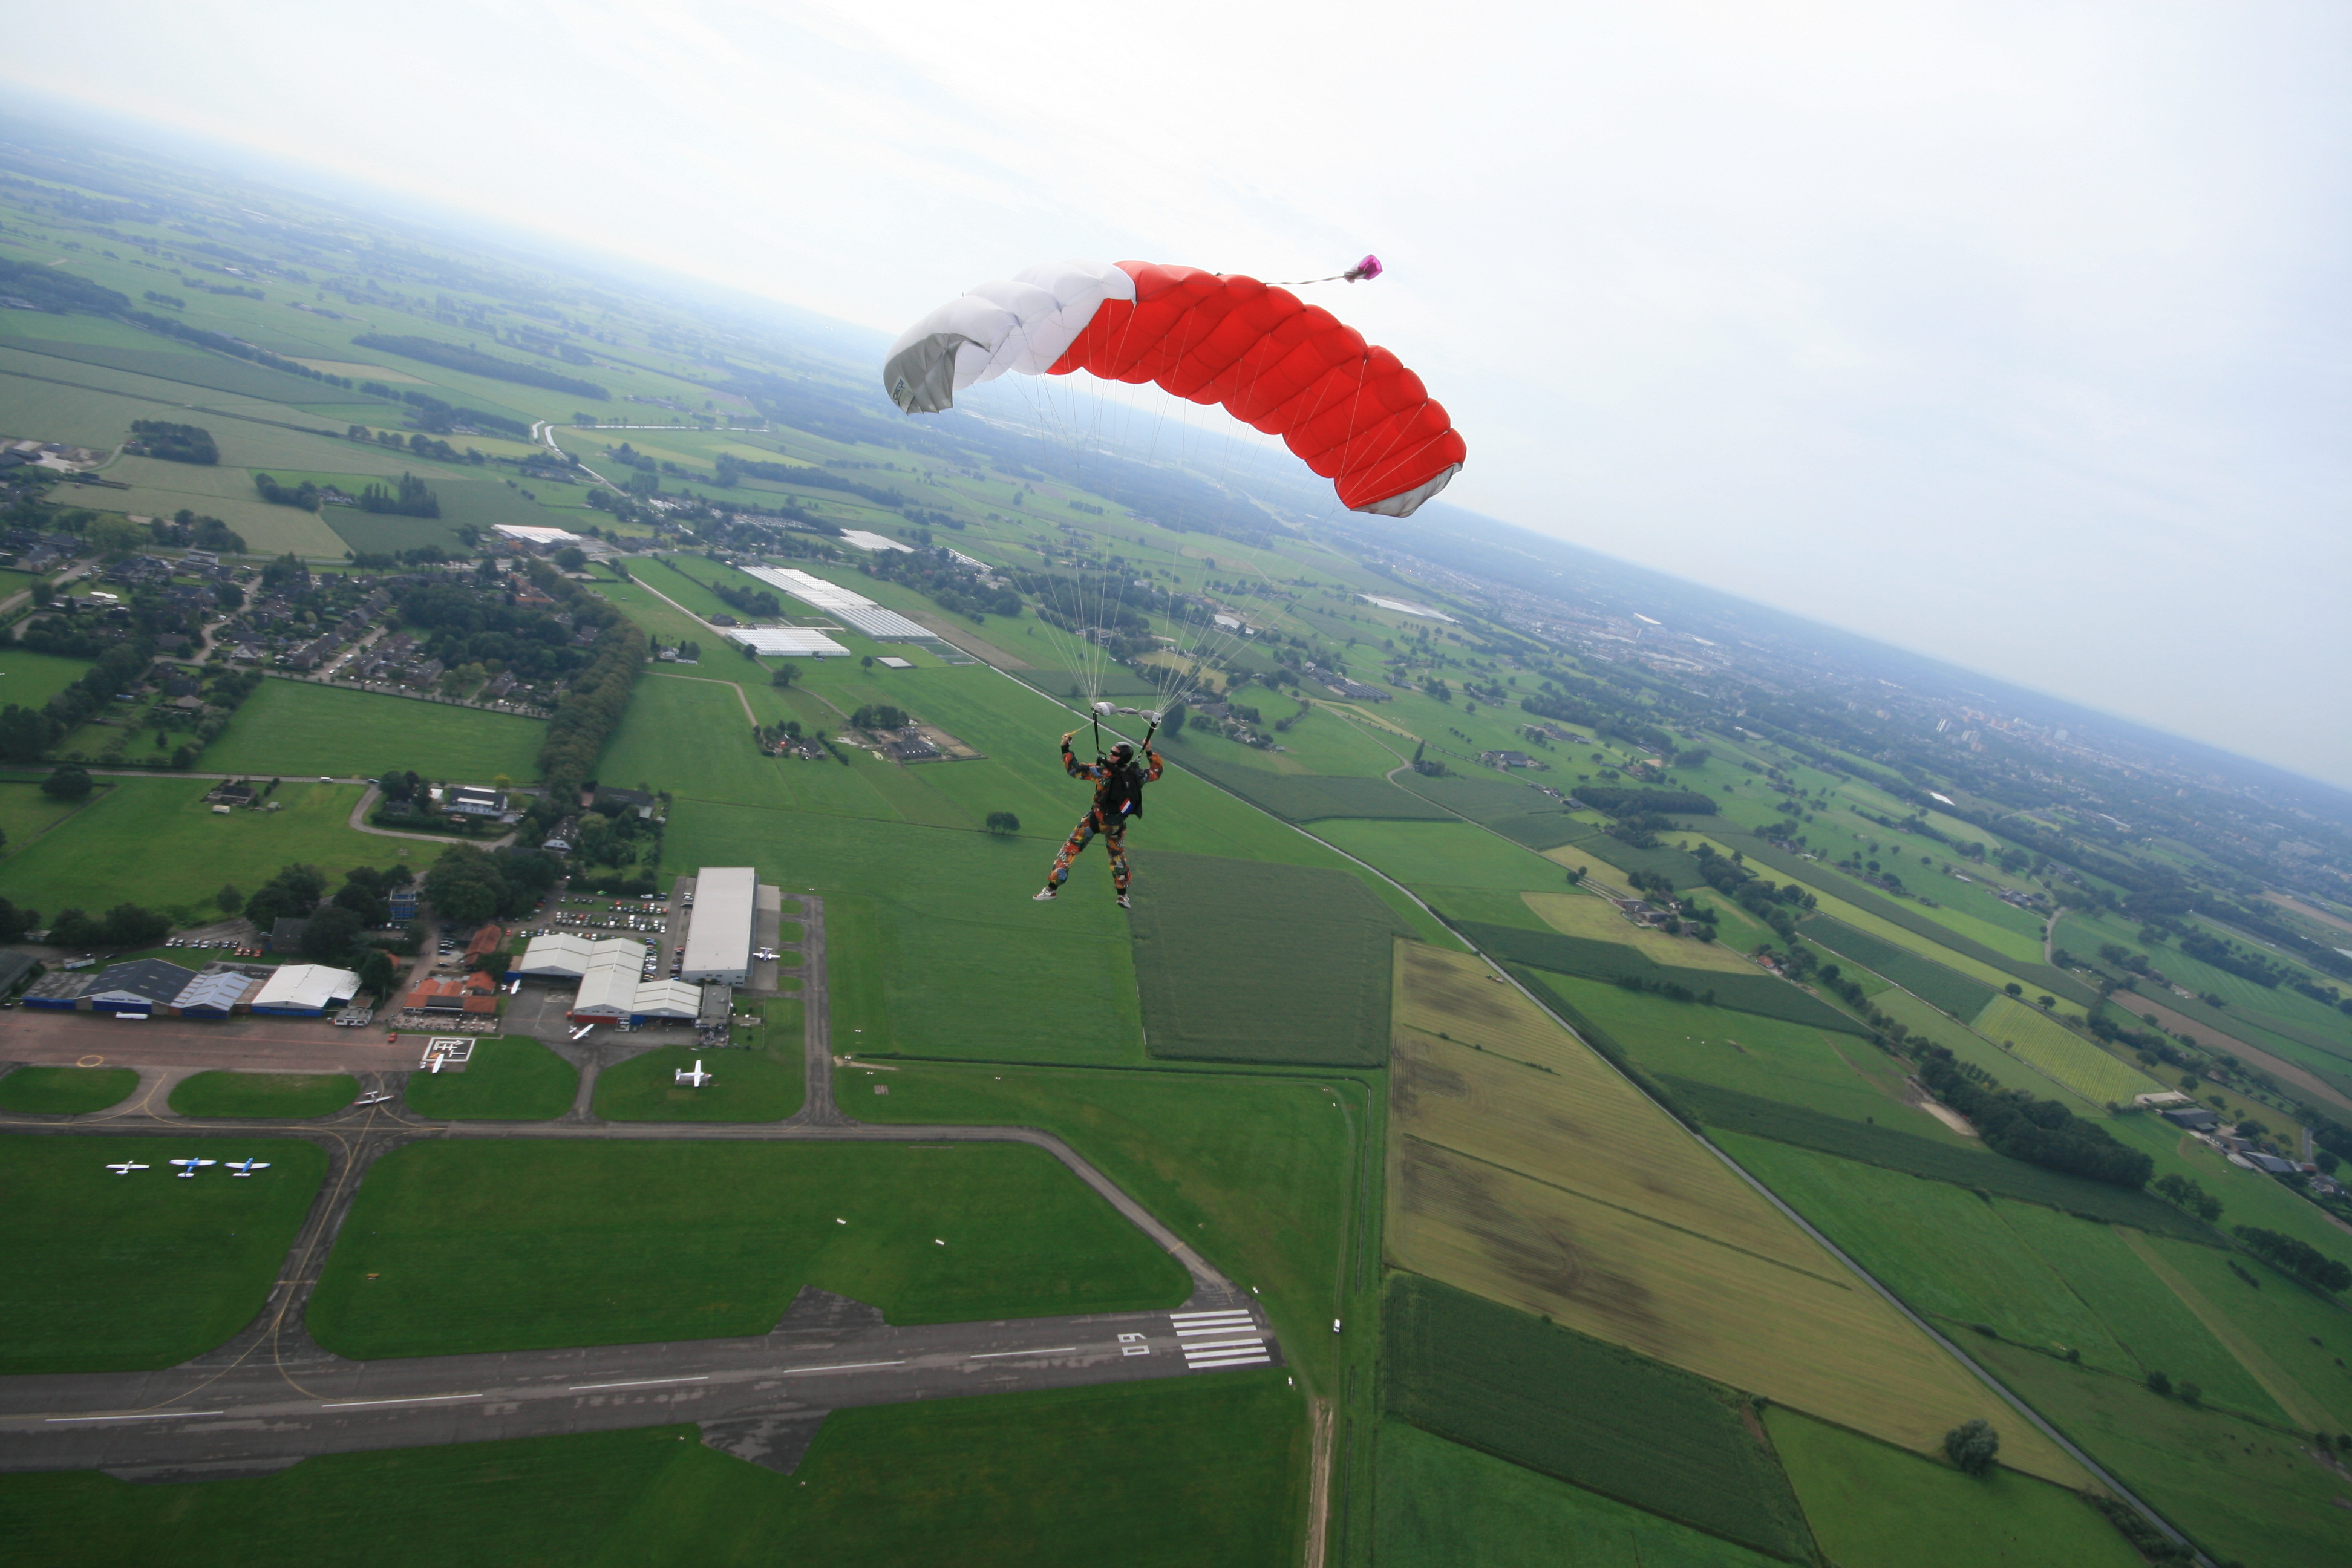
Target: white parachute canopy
[(1023, 323)]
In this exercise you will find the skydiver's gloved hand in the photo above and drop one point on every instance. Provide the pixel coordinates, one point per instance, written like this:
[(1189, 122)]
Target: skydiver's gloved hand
[(1066, 740)]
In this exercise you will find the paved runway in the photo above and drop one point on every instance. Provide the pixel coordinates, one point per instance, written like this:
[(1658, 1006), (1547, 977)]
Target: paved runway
[(270, 1397)]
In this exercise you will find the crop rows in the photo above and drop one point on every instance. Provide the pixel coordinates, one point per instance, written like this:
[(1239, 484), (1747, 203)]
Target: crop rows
[(1956, 994), (1582, 956)]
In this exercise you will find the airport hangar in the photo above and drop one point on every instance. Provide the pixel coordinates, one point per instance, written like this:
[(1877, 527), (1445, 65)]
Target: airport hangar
[(718, 936)]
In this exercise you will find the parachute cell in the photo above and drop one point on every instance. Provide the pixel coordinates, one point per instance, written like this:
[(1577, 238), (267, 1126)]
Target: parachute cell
[(1350, 411)]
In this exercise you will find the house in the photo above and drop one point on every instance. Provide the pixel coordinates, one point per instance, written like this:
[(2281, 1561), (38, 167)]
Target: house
[(286, 934), (2269, 1164), (476, 993), (485, 941), (474, 800), (2193, 1118), (1508, 760), (403, 902)]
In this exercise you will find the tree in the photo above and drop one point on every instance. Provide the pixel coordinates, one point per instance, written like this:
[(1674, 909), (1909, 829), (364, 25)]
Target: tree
[(24, 733), (328, 936), (67, 783), (378, 973), (228, 901), (2014, 989), (2160, 1383), (1004, 821), (1971, 1445), (570, 559), (785, 675)]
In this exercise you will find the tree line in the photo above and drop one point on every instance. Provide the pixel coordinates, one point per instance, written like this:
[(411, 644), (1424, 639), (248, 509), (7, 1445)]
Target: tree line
[(453, 356)]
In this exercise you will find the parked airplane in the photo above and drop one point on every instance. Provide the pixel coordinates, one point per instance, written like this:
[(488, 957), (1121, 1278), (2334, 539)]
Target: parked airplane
[(126, 1167), (247, 1166), (189, 1167), (698, 1077)]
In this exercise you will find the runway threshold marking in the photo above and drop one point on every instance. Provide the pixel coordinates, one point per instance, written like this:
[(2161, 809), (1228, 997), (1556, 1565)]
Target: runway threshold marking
[(844, 1366), (998, 1355), (144, 1415), (635, 1382), (414, 1399)]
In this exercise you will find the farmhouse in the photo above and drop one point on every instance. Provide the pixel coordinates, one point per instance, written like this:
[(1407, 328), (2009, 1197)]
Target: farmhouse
[(2196, 1119), (474, 800), (719, 943)]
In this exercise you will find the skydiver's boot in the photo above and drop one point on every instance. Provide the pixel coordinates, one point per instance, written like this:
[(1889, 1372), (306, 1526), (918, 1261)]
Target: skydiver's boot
[(1047, 894), (1122, 899)]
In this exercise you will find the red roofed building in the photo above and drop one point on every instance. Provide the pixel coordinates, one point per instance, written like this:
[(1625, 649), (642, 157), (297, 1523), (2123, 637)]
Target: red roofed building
[(490, 938), (477, 993)]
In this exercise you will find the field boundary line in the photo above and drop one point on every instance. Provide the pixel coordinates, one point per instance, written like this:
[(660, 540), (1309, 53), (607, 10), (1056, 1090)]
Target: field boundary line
[(2273, 1379)]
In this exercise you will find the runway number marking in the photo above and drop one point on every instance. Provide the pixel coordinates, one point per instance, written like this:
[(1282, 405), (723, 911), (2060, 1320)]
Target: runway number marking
[(1132, 1344)]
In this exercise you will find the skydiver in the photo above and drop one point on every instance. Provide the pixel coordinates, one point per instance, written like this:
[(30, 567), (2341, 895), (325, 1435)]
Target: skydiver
[(1119, 800)]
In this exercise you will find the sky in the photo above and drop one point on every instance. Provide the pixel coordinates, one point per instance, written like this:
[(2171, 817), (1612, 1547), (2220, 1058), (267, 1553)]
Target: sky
[(2011, 333)]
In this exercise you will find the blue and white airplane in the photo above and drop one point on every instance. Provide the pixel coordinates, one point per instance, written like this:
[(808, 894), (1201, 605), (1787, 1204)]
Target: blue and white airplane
[(247, 1166), (188, 1168), (126, 1167)]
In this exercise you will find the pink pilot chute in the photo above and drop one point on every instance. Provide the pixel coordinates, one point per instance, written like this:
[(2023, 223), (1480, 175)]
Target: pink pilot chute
[(1350, 410)]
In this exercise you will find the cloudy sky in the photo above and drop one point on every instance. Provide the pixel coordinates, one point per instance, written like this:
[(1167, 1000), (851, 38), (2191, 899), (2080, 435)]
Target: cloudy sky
[(2014, 333)]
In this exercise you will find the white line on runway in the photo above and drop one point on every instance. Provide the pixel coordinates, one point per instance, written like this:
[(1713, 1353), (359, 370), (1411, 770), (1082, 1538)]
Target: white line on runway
[(1220, 1312), (640, 1382), (1255, 1342), (418, 1399), (1244, 1326), (1228, 1361), (1050, 1349), (144, 1415), (844, 1366)]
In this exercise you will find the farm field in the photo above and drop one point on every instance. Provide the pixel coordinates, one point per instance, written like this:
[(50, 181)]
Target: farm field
[(1583, 915), (2242, 1490), (2057, 1051), (512, 1078), (1871, 1506), (1300, 962), (154, 842), (1022, 1480), (1961, 995), (2008, 1070), (1259, 1172), (499, 1246), (65, 1091), (291, 727), (1442, 1503), (1666, 1252), (228, 1094), (2291, 1340), (1441, 854), (1586, 1412), (746, 1086), (186, 1264)]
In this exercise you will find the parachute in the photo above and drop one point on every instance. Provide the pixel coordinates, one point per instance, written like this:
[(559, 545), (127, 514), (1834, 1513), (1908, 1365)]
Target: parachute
[(1350, 410)]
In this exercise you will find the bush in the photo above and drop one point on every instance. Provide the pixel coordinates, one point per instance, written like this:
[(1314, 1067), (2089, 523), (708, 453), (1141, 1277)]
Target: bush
[(1004, 821), (67, 783), (1970, 1445)]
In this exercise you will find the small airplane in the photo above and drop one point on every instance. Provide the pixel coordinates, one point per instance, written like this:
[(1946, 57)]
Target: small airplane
[(126, 1167), (247, 1166), (189, 1167), (698, 1077), (378, 1098)]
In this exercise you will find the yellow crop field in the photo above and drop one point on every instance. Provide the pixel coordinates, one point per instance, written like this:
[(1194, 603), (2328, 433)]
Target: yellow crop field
[(1524, 1169), (1585, 915), (2042, 1042)]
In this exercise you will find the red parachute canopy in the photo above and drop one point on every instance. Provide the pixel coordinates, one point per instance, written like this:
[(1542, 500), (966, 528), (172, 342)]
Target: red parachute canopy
[(1350, 410)]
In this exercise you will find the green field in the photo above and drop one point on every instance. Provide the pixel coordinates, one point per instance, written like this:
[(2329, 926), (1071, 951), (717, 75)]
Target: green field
[(1023, 1481), (2050, 1047), (1444, 854), (1873, 1506), (28, 679), (226, 1094), (1751, 991), (2241, 1491), (154, 842), (1300, 798), (499, 1245), (184, 1264), (1241, 960), (1257, 1172), (65, 1091), (25, 813), (293, 728), (1586, 1412), (1965, 1043), (1441, 1504), (746, 1086), (510, 1078)]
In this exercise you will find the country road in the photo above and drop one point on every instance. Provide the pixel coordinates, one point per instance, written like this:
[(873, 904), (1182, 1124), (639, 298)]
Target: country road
[(271, 1396)]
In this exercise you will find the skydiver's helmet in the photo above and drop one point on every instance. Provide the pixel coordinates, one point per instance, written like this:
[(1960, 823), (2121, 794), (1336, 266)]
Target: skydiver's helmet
[(1122, 754)]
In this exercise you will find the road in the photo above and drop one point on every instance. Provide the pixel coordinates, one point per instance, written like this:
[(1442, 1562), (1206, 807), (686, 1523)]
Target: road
[(271, 1396)]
